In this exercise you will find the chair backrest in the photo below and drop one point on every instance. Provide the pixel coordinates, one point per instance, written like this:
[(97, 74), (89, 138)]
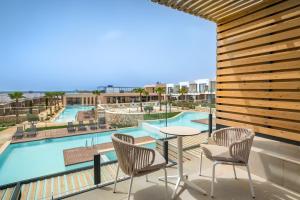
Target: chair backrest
[(227, 136), (20, 129), (240, 148), (33, 128), (131, 158)]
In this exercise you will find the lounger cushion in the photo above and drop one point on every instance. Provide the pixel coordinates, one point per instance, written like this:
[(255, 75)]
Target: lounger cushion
[(216, 152)]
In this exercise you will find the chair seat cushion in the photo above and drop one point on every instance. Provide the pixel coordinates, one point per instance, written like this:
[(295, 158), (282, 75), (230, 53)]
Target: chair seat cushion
[(216, 152)]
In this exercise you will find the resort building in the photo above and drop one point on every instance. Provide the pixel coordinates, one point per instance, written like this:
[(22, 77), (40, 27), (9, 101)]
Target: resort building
[(29, 99), (197, 90), (151, 88), (80, 98), (115, 89)]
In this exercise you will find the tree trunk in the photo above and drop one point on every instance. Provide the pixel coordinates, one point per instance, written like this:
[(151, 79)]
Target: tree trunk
[(51, 107), (62, 100), (141, 105), (17, 111), (159, 96)]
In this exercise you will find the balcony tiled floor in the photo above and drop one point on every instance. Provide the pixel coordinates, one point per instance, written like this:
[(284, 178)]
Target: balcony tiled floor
[(226, 187)]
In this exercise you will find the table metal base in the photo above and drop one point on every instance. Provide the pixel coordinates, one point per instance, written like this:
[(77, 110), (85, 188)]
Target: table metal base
[(186, 183)]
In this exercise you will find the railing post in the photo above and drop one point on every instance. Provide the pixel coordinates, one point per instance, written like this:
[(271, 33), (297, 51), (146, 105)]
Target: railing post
[(166, 150), (17, 192), (209, 124), (97, 169)]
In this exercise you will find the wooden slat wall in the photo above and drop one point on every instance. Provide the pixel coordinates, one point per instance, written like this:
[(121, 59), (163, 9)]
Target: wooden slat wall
[(258, 70)]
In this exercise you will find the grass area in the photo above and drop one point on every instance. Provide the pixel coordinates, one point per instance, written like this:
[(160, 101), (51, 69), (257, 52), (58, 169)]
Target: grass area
[(2, 128), (48, 128), (159, 115), (6, 124), (120, 126)]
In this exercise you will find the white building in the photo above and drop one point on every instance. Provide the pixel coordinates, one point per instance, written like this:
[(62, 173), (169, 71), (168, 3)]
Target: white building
[(198, 89)]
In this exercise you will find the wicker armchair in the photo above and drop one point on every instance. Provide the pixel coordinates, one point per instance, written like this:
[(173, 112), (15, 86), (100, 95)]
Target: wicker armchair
[(230, 146), (136, 161)]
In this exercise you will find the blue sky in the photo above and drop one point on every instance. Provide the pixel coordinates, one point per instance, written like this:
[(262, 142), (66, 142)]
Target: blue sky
[(80, 44)]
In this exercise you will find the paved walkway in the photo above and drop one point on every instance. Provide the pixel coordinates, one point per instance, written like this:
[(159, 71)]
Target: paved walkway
[(56, 133), (226, 187)]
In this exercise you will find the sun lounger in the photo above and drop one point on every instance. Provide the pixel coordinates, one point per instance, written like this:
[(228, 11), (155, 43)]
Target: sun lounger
[(19, 133), (32, 132), (81, 126), (71, 127), (101, 122), (93, 125)]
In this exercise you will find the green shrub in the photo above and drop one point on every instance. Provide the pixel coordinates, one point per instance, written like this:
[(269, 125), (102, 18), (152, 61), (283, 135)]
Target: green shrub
[(159, 115), (49, 128), (7, 124), (32, 117), (148, 109), (120, 125)]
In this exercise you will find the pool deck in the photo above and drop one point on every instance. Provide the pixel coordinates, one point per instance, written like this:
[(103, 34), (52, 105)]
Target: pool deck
[(84, 154), (85, 115), (204, 121), (57, 133), (226, 187)]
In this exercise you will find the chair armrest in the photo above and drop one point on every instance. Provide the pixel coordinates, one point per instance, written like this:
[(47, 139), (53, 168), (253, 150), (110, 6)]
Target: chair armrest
[(206, 152)]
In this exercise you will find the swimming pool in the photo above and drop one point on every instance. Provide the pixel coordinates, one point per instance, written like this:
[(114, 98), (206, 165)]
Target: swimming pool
[(39, 158), (70, 112), (183, 119)]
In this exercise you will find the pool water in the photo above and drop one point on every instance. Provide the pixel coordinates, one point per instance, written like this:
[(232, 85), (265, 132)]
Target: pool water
[(39, 158), (70, 112), (33, 159)]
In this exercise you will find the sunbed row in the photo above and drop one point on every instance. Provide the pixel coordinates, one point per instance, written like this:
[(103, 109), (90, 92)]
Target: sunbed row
[(83, 127), (20, 133)]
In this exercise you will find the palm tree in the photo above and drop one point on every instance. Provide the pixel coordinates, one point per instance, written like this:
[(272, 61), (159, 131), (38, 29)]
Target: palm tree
[(183, 91), (62, 94), (140, 91), (16, 96), (159, 91), (97, 93), (146, 93), (49, 96), (56, 95)]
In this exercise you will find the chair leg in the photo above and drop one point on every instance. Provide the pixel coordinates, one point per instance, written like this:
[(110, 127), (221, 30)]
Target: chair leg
[(250, 182), (213, 180), (130, 186), (166, 182), (234, 171), (176, 187), (116, 179), (200, 164)]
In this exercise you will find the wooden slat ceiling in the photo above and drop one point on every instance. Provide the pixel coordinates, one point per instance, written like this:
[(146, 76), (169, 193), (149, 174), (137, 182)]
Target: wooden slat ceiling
[(213, 10)]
